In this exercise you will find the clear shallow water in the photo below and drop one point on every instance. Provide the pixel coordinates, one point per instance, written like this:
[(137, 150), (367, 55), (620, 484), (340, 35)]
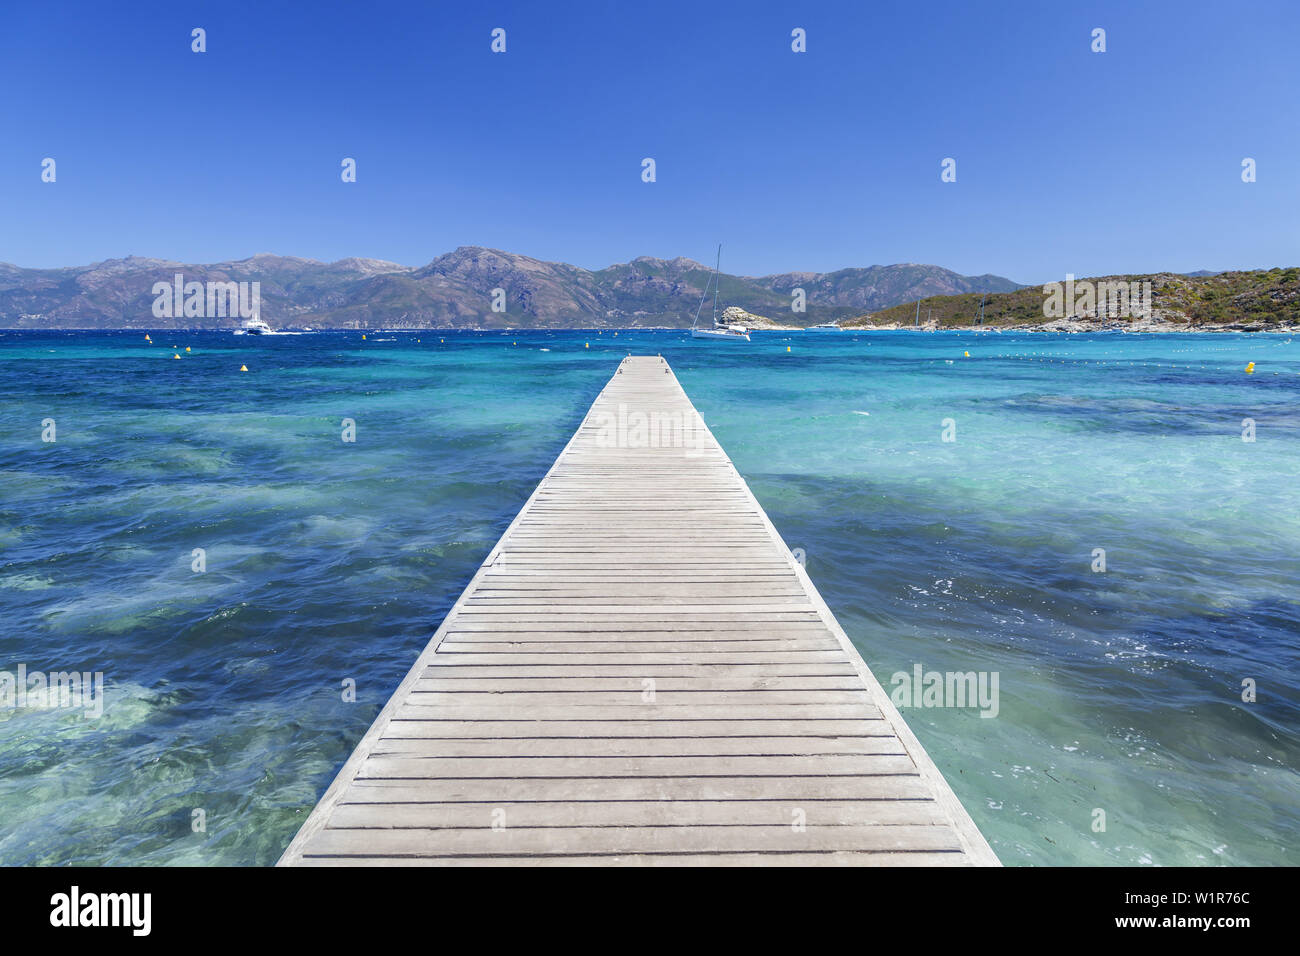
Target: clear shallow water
[(326, 561)]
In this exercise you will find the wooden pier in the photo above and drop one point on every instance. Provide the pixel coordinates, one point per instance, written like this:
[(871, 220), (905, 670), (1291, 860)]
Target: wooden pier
[(640, 673)]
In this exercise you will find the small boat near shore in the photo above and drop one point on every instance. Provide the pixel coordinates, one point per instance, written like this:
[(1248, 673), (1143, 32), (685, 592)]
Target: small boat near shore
[(824, 327)]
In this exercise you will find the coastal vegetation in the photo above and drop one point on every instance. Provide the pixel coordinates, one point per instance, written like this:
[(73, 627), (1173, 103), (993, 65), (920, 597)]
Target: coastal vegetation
[(1232, 301)]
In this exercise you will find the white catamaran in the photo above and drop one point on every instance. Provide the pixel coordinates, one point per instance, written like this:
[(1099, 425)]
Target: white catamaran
[(718, 331)]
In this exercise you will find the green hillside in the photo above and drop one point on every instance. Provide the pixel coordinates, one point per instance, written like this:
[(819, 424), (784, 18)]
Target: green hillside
[(1261, 299)]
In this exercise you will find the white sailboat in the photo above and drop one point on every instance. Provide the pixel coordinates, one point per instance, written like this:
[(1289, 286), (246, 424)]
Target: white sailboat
[(717, 331)]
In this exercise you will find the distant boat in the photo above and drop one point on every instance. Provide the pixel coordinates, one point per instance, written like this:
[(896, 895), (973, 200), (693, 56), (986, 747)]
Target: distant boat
[(254, 326), (718, 330), (824, 327)]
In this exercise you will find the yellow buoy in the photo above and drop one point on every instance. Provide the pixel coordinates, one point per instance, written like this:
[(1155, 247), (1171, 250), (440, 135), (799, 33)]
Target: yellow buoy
[(586, 345), (175, 356), (787, 348), (243, 368), (363, 335), (967, 354), (1250, 368), (187, 348), (147, 339)]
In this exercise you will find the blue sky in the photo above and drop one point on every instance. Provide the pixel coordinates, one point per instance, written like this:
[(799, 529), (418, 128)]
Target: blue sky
[(1067, 160)]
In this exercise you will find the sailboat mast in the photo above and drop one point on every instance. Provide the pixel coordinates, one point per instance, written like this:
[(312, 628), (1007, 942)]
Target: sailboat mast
[(716, 269), (699, 308)]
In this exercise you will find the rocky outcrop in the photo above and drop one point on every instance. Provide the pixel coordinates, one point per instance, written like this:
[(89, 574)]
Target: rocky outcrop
[(735, 315)]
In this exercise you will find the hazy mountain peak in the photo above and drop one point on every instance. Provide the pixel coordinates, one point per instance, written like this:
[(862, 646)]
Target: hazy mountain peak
[(128, 264), (369, 266), (677, 263), (271, 259)]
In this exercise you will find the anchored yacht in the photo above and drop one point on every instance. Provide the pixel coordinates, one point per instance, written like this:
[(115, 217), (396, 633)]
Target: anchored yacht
[(719, 330)]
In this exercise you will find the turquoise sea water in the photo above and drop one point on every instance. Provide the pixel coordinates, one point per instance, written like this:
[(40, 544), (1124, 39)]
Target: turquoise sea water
[(1119, 691)]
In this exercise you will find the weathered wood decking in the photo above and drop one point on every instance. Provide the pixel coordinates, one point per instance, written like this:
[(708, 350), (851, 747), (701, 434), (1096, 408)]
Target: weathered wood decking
[(640, 672)]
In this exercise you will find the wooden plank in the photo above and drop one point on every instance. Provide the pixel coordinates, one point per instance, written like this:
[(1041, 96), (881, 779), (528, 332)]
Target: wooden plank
[(677, 648), (915, 859), (481, 841), (635, 710), (599, 789), (788, 629), (680, 746), (631, 684), (664, 669), (390, 767), (542, 731), (524, 735), (508, 696), (647, 640), (577, 657), (430, 816)]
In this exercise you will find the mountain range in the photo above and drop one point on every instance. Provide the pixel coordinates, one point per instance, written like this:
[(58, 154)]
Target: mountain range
[(456, 291)]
